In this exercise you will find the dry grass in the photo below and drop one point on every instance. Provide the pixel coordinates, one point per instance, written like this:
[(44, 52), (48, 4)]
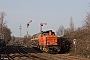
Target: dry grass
[(82, 46)]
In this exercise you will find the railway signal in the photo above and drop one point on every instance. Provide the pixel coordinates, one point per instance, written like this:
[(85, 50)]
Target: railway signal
[(27, 27), (74, 42), (41, 24)]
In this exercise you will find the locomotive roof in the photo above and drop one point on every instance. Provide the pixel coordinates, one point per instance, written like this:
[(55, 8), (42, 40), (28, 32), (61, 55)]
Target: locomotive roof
[(43, 32), (46, 31)]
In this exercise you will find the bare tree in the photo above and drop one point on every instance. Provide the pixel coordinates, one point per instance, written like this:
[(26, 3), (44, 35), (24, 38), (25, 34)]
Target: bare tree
[(12, 40), (27, 42), (4, 30), (7, 34), (71, 25), (87, 21), (60, 31), (2, 15), (66, 31)]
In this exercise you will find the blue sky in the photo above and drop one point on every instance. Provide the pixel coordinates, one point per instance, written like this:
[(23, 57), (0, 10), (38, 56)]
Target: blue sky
[(54, 12)]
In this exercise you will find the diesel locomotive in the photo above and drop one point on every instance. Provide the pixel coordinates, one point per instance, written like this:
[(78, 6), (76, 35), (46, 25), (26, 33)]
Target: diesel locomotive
[(46, 41)]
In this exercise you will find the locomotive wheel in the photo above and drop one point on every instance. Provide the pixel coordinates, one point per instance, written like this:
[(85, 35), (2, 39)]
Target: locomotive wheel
[(45, 50)]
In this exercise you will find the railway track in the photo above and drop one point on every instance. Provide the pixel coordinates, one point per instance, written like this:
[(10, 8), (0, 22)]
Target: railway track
[(21, 53), (21, 50), (5, 54), (17, 53), (7, 57)]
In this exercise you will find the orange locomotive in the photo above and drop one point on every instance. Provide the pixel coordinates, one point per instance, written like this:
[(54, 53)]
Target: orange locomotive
[(46, 41)]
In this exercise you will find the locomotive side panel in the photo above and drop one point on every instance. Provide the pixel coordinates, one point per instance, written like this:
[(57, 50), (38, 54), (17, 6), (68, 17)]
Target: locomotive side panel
[(51, 40), (48, 40)]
